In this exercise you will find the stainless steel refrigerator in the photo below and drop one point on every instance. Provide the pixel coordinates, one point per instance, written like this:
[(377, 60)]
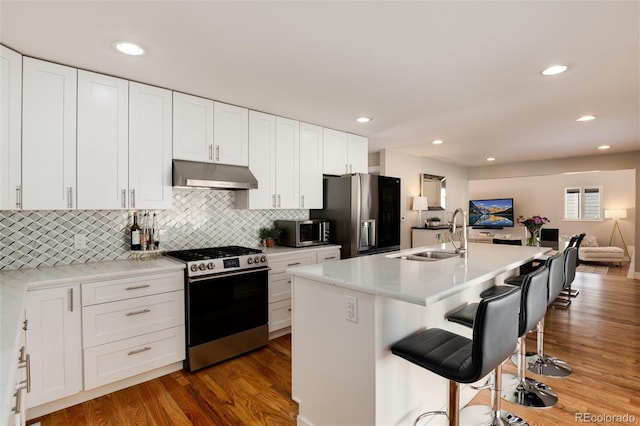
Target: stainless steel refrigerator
[(363, 211)]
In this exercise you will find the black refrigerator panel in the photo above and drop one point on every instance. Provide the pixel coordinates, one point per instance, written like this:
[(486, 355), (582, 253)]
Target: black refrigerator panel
[(389, 212)]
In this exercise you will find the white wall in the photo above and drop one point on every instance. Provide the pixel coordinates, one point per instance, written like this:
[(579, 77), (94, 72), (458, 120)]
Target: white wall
[(544, 195), (409, 169)]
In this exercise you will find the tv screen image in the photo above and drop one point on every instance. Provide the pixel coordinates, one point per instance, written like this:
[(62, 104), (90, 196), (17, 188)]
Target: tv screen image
[(496, 213)]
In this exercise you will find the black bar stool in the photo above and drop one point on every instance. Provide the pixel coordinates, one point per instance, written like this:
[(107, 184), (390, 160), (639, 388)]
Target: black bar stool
[(460, 359)]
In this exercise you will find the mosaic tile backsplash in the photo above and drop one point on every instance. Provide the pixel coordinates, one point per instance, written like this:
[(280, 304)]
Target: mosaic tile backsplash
[(199, 218)]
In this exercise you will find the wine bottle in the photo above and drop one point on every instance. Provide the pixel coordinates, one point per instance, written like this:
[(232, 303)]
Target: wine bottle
[(155, 232), (135, 233), (144, 232)]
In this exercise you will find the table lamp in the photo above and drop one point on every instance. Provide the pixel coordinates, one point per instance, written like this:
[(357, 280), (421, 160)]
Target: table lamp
[(420, 204)]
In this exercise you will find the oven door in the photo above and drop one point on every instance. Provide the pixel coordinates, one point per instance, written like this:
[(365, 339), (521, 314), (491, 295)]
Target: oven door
[(225, 304)]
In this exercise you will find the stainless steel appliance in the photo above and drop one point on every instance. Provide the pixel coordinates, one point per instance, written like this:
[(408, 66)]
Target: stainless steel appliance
[(364, 213), (226, 303), (303, 233)]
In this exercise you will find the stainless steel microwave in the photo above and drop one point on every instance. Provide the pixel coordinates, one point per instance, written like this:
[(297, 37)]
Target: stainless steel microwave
[(302, 233)]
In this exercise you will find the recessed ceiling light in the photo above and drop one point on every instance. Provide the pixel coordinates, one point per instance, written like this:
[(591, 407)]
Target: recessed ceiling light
[(604, 147), (129, 48), (586, 118), (554, 70), (437, 142), (363, 119), (491, 159)]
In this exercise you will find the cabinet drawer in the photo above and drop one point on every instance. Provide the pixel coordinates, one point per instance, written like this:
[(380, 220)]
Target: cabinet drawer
[(108, 322), (120, 360), (279, 287), (281, 264), (279, 315), (328, 255), (125, 288)]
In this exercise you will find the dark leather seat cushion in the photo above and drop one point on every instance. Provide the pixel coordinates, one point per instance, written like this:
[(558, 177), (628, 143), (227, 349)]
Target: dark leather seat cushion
[(465, 316), (440, 351), (497, 290)]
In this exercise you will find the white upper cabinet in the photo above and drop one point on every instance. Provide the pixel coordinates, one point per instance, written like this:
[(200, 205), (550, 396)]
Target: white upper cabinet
[(192, 128), (344, 153), (287, 165), (334, 157), (310, 166), (103, 125), (10, 129), (150, 125), (48, 135), (262, 139), (358, 153), (230, 134)]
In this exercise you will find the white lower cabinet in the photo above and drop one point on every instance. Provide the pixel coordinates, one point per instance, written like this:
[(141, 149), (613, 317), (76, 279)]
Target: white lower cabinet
[(280, 282), (54, 341)]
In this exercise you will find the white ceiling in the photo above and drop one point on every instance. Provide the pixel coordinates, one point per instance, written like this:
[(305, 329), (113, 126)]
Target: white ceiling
[(464, 72)]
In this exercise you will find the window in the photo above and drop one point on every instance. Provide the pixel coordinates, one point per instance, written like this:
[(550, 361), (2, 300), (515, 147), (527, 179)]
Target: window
[(583, 203)]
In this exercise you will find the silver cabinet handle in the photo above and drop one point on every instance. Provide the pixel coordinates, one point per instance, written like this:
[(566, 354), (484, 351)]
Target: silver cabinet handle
[(273, 200), (279, 200), (70, 197), (302, 201), (143, 311), (350, 168), (124, 198), (293, 264), (18, 396), (132, 203), (346, 168), (211, 152), (218, 153), (137, 287), (70, 300), (26, 363), (137, 351), (18, 197), (329, 258)]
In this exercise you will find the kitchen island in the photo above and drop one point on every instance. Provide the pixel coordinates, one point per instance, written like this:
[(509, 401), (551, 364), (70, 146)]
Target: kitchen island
[(346, 315)]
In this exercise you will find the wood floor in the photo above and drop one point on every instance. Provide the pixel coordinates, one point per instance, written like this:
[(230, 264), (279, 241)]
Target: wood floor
[(599, 336)]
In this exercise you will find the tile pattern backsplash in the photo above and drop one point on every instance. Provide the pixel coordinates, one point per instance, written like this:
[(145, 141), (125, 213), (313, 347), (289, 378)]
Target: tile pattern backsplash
[(199, 218)]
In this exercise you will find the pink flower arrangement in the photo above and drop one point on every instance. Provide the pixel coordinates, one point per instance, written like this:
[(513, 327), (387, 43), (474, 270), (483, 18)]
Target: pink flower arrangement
[(533, 225)]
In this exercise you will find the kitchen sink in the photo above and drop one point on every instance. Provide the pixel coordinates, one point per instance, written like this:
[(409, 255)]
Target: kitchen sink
[(427, 255)]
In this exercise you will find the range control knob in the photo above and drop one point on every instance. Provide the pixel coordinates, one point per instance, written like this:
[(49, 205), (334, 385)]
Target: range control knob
[(202, 266), (211, 265), (249, 260), (193, 267), (256, 259), (263, 259)]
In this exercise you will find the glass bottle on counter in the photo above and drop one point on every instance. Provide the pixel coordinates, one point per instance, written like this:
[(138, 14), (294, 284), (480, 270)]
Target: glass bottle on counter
[(135, 233), (155, 232), (144, 231)]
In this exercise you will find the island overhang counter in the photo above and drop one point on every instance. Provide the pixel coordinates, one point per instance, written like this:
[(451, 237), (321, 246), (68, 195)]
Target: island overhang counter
[(347, 314)]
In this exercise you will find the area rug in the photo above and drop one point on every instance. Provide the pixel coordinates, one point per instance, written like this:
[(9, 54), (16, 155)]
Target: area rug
[(593, 269)]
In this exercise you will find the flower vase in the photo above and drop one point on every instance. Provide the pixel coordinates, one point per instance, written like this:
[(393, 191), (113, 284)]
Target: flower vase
[(533, 237)]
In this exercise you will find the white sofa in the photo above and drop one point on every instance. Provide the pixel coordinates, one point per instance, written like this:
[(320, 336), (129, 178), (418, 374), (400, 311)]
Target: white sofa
[(590, 251)]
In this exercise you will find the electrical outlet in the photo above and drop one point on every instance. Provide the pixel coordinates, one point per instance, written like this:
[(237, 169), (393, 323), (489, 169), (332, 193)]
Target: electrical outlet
[(351, 305), (80, 242)]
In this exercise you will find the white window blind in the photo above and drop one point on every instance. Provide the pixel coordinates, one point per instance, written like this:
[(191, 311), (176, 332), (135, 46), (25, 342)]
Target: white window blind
[(572, 203), (591, 203)]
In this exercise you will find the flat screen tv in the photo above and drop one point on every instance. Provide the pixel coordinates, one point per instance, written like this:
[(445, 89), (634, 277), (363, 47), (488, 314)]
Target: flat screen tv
[(492, 213)]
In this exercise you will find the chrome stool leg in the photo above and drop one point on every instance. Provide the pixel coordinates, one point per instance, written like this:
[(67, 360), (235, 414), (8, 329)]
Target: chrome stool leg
[(539, 363), (484, 415), (525, 391)]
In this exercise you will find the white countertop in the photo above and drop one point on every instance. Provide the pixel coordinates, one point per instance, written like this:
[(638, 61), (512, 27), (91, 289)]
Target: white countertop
[(13, 289), (422, 283), (285, 250)]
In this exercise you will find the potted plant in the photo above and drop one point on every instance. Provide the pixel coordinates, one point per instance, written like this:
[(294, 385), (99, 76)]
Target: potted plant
[(268, 234), (434, 221)]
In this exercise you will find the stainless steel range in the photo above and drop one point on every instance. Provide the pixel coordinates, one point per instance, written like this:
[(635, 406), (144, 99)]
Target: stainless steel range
[(226, 303)]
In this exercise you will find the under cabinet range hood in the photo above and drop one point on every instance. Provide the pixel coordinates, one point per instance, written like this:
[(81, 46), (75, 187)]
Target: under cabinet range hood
[(210, 175)]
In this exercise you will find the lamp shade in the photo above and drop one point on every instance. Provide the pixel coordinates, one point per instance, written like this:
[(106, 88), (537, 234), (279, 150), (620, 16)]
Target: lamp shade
[(615, 214), (419, 203)]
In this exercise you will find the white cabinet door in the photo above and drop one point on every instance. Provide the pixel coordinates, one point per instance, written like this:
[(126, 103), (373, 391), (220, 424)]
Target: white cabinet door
[(310, 166), (287, 163), (48, 135), (54, 343), (357, 154), (192, 128), (149, 147), (103, 141), (10, 129), (262, 139), (230, 134), (334, 152)]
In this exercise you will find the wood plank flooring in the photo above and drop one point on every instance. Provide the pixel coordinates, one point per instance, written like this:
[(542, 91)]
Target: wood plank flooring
[(599, 336)]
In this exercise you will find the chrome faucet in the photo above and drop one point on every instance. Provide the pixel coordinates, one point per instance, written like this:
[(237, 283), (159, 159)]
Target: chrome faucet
[(463, 242)]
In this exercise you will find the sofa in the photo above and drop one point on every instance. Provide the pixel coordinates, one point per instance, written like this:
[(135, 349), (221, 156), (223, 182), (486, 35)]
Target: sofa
[(591, 251)]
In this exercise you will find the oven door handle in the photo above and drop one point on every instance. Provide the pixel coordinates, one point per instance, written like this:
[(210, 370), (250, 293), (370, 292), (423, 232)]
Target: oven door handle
[(232, 274)]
